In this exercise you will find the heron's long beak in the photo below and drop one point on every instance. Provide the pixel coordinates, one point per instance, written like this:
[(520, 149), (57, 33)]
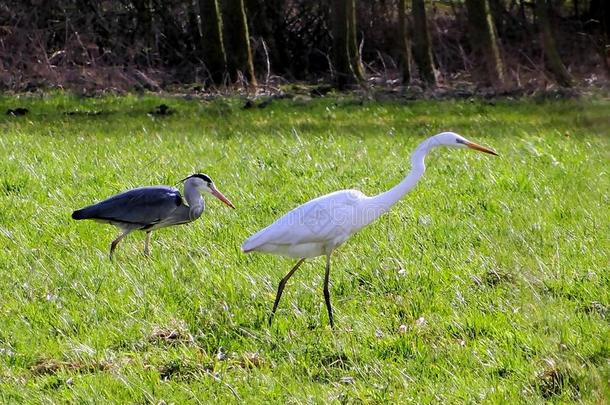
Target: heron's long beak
[(222, 198), (480, 148)]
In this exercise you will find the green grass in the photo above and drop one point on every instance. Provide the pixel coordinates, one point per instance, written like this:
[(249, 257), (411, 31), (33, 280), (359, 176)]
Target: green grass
[(506, 259)]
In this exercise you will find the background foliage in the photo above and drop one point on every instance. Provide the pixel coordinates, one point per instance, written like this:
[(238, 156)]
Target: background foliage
[(123, 44)]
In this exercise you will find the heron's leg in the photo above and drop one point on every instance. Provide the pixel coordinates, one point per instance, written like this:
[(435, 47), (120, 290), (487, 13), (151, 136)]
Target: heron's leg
[(327, 293), (280, 288), (147, 244), (115, 242)]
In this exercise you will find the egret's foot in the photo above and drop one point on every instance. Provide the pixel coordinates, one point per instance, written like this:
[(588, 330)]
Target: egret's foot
[(327, 293), (280, 288)]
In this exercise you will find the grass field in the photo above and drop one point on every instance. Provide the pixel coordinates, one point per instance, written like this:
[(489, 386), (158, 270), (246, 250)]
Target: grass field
[(489, 282)]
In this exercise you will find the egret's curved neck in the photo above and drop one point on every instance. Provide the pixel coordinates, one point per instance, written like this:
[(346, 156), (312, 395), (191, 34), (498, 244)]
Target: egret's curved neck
[(382, 202), (194, 199)]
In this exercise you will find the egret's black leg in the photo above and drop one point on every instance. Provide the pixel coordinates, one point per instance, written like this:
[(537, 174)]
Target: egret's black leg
[(147, 244), (115, 242), (280, 288), (327, 293)]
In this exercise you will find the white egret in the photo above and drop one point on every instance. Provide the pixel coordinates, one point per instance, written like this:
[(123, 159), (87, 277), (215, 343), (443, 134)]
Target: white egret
[(319, 226)]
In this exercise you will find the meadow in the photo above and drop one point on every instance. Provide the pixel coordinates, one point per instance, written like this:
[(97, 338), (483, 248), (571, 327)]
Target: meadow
[(488, 283)]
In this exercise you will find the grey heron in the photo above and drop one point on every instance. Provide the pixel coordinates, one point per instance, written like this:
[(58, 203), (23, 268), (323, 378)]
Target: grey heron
[(150, 208)]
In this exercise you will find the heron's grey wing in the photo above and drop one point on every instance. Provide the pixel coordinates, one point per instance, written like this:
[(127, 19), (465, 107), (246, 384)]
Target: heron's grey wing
[(143, 206)]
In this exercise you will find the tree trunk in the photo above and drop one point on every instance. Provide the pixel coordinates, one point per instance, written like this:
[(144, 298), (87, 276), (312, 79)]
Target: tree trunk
[(353, 49), (214, 55), (599, 10), (269, 17), (551, 56), (496, 7), (194, 31), (237, 41), (144, 30), (280, 48), (422, 52), (405, 54), (483, 39), (348, 67)]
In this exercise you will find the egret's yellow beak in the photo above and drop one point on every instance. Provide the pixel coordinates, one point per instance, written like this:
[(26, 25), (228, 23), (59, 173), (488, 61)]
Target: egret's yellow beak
[(480, 148)]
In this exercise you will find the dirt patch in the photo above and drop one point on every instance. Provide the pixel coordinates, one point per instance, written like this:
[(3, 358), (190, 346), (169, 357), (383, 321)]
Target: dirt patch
[(495, 277), (15, 112), (52, 367), (163, 110), (554, 380), (183, 370), (175, 333)]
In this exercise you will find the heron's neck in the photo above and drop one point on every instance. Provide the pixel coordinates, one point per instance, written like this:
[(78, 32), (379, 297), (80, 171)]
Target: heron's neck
[(384, 201), (194, 200)]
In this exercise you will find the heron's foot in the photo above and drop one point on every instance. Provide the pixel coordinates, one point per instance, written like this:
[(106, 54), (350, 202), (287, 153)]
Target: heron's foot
[(112, 248), (147, 245), (115, 242)]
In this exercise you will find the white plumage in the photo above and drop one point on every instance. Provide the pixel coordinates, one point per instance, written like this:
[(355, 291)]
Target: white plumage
[(313, 229), (319, 226)]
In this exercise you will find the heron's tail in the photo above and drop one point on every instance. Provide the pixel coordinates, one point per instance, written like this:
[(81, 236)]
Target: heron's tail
[(83, 213)]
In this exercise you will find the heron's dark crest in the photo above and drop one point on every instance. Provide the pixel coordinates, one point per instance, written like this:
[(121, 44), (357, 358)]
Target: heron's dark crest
[(202, 176)]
